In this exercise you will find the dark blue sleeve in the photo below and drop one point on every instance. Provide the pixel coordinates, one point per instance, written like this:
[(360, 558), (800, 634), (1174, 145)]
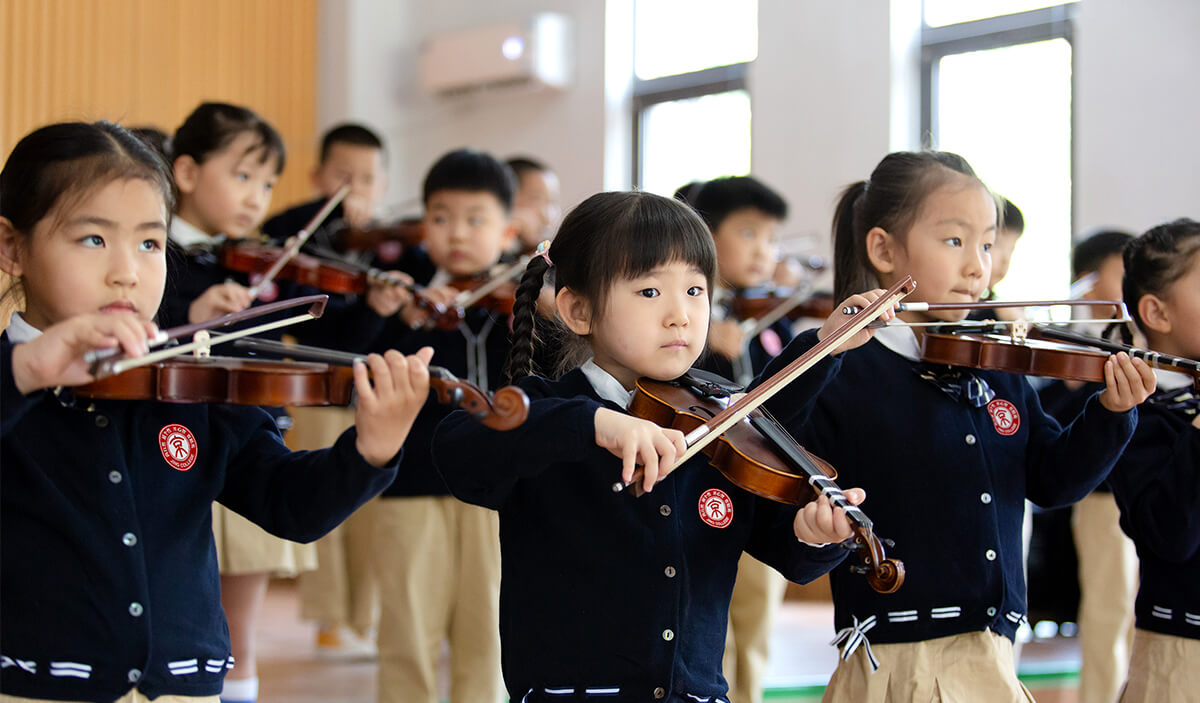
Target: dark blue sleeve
[(1065, 464), (481, 465), (13, 404), (1157, 485), (299, 496)]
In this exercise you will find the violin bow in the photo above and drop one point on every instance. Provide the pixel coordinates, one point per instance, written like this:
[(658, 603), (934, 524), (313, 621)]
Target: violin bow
[(112, 361), (469, 297), (298, 241), (704, 434), (1122, 313)]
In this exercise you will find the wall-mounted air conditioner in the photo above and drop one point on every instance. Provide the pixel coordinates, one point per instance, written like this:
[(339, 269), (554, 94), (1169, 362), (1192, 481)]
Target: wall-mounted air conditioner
[(535, 53)]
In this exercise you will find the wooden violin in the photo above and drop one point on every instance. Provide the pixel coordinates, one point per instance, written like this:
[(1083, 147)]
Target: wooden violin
[(322, 274), (405, 233), (762, 458), (496, 293), (756, 304)]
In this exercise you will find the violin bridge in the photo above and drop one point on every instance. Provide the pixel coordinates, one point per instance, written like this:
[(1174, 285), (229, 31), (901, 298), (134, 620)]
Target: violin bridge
[(203, 342), (1020, 331)]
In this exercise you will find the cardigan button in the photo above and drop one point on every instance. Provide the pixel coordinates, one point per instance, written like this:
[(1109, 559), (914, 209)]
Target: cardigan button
[(990, 554), (129, 539), (668, 635), (114, 476), (135, 609), (665, 510), (991, 612), (101, 421), (660, 693), (134, 675), (985, 498), (670, 572), (970, 439)]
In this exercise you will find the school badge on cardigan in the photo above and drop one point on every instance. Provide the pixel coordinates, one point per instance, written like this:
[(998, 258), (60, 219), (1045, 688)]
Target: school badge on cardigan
[(178, 446), (1004, 417), (716, 509)]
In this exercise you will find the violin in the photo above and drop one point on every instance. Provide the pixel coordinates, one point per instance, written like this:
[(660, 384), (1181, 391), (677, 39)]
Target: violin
[(166, 376), (762, 458), (496, 293), (407, 232), (758, 303), (322, 274), (786, 473)]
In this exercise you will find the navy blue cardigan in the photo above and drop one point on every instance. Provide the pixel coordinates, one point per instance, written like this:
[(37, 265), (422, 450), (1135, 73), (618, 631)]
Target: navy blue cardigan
[(108, 571), (1157, 486), (948, 483), (604, 592)]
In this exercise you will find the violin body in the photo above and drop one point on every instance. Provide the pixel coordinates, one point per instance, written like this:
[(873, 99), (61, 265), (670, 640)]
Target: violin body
[(741, 454), (500, 301), (755, 304), (759, 456), (228, 380), (999, 353), (408, 232)]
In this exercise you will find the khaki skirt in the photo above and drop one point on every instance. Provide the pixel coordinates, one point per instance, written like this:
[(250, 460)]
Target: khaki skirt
[(1162, 669)]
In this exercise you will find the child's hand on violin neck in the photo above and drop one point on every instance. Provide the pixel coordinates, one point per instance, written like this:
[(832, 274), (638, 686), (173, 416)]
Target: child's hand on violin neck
[(838, 318), (1129, 382), (221, 299), (636, 441), (387, 299), (391, 390), (55, 358), (431, 298), (819, 522)]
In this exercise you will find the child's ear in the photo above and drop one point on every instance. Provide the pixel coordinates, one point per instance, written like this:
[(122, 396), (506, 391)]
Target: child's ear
[(510, 233), (574, 311), (880, 247), (1154, 313), (187, 171), (11, 242)]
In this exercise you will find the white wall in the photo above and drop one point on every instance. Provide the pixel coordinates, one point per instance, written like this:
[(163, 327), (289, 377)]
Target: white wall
[(833, 90), (1137, 98), (368, 59)]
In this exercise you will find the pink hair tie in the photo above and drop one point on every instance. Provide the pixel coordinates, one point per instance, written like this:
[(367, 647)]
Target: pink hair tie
[(543, 250)]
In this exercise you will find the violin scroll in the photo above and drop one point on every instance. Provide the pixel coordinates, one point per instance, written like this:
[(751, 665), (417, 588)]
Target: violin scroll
[(884, 575), (507, 408)]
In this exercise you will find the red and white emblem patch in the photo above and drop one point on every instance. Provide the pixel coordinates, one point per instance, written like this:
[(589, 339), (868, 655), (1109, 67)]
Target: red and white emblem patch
[(716, 509), (1004, 417), (178, 446)]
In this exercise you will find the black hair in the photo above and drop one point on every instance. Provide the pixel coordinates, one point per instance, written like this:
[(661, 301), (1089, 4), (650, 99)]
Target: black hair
[(522, 165), (69, 160), (721, 197), (1154, 261), (1011, 218), (213, 126), (609, 236), (1090, 254), (890, 199), (155, 138), (686, 193), (349, 133), (471, 170)]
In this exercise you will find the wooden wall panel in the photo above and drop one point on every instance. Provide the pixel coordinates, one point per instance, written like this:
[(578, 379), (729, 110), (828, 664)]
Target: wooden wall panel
[(152, 61)]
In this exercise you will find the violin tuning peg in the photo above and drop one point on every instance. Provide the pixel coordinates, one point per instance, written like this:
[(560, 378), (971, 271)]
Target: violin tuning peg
[(861, 570), (889, 543)]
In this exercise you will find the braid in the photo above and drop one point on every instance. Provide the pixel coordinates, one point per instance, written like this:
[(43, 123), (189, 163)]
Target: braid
[(524, 335)]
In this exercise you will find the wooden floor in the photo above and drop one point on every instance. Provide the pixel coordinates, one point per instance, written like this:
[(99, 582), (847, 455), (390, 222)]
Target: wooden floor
[(801, 660)]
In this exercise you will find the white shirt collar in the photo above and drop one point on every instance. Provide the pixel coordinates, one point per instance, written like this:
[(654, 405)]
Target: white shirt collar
[(900, 340), (185, 234), (605, 385), (1168, 380), (20, 331)]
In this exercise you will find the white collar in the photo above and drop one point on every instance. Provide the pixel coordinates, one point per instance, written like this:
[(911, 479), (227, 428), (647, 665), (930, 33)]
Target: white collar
[(186, 234), (20, 331), (605, 385), (1167, 380), (900, 340)]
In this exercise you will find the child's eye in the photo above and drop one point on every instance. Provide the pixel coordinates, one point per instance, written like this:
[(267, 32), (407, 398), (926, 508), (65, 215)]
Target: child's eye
[(269, 187), (695, 291), (150, 245), (748, 234), (440, 220), (648, 292), (94, 241), (242, 176), (954, 241), (988, 247), (475, 221)]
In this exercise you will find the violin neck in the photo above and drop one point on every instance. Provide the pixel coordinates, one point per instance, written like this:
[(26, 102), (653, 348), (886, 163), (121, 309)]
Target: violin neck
[(1151, 357), (802, 461)]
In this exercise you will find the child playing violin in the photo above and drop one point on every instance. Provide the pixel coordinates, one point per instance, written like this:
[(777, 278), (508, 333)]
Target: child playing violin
[(440, 573), (743, 215), (108, 570), (605, 594), (956, 452), (1156, 480)]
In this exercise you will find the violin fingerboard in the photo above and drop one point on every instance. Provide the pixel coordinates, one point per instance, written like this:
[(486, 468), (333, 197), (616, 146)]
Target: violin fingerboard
[(826, 487)]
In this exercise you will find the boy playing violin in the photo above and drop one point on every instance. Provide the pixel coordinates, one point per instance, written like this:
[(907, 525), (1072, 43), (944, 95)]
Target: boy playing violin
[(441, 580)]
